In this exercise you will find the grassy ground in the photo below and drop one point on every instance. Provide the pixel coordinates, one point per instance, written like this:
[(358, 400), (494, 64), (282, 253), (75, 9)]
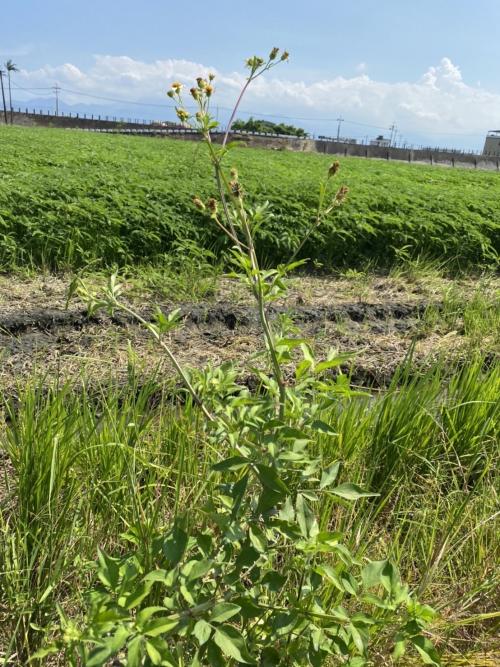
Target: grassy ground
[(98, 447)]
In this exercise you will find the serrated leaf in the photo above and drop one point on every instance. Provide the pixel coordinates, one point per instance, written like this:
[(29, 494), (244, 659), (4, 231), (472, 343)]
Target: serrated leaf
[(223, 611), (232, 644), (160, 625), (202, 631)]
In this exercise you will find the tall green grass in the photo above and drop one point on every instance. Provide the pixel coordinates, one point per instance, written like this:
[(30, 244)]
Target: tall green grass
[(111, 468)]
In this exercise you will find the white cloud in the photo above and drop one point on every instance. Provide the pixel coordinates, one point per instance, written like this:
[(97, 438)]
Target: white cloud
[(439, 102)]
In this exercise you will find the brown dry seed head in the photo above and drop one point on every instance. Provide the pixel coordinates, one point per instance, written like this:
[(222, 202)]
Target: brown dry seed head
[(212, 205), (274, 53), (334, 167), (236, 188), (285, 55), (341, 194), (211, 76)]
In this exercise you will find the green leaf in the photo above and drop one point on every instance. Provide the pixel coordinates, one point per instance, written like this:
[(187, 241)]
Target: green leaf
[(306, 518), (427, 650), (270, 479), (108, 647), (199, 569), (202, 631), (257, 538), (137, 596), (160, 625), (108, 571), (372, 573), (399, 649), (134, 652), (329, 475), (232, 463), (232, 644), (223, 611), (329, 573), (174, 545), (322, 426), (351, 492)]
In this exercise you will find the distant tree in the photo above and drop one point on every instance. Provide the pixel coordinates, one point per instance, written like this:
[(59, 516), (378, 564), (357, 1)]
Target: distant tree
[(10, 67), (266, 126)]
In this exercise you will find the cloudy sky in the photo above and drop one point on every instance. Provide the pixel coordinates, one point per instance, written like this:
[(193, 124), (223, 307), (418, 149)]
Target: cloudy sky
[(430, 66)]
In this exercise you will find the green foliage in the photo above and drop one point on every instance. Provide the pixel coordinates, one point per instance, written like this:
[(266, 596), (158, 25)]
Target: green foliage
[(268, 127), (71, 199)]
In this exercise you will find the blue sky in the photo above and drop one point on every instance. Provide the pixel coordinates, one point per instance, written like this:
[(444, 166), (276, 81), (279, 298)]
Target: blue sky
[(430, 66)]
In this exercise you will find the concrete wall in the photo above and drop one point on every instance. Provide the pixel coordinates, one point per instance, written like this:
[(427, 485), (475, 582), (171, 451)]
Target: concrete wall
[(427, 156), (492, 146)]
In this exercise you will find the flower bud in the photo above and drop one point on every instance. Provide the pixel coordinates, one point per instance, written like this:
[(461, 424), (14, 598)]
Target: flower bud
[(198, 203), (201, 83), (334, 167), (234, 173), (182, 114), (170, 93)]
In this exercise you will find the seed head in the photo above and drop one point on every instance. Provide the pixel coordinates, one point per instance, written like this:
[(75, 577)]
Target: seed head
[(236, 189), (274, 53), (212, 205), (334, 167), (209, 90), (201, 83), (341, 194), (198, 203), (285, 55), (211, 76), (234, 173), (195, 93)]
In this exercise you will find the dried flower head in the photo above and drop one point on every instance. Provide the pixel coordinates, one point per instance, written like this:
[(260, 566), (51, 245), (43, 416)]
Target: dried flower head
[(211, 76), (177, 87), (198, 203), (209, 90), (236, 188), (212, 205), (334, 167), (341, 194), (285, 55), (274, 53)]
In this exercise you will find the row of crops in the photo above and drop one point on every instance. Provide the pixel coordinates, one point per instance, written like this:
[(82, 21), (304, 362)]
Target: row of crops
[(69, 199)]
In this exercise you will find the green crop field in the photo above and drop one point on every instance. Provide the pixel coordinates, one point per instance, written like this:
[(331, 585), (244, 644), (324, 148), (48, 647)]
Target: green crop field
[(291, 470), (68, 199)]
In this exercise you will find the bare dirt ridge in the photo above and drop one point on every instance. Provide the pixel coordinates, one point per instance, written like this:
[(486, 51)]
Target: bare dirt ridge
[(378, 320)]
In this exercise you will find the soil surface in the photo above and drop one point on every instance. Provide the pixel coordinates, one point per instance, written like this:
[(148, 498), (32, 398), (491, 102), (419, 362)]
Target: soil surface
[(377, 319)]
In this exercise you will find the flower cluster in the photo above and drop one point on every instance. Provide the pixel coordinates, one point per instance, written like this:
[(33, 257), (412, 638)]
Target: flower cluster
[(201, 93)]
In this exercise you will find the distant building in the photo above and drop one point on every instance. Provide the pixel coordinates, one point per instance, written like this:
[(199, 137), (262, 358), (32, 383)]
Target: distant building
[(492, 144), (381, 141)]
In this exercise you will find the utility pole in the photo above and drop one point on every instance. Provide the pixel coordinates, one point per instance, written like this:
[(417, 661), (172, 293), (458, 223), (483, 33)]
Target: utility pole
[(3, 96), (340, 121), (56, 90), (393, 129)]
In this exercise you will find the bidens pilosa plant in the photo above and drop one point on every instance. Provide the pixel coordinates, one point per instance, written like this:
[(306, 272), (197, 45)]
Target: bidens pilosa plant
[(251, 573)]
